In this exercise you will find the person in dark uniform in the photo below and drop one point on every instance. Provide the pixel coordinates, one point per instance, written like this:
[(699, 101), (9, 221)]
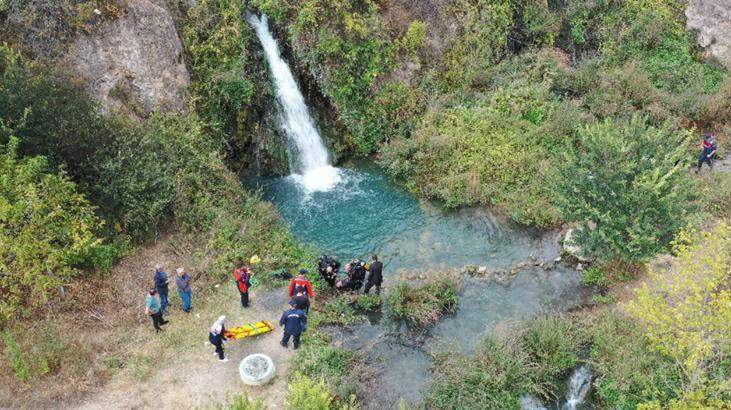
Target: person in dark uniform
[(356, 272), (294, 322), (301, 301), (375, 278), (328, 268)]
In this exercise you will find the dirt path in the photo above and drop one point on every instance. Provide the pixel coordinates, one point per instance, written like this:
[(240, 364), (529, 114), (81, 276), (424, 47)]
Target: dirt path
[(187, 374)]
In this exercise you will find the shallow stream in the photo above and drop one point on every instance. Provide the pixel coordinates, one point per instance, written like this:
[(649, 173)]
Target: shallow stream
[(367, 214)]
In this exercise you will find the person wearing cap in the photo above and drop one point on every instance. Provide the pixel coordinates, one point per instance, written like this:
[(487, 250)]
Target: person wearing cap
[(709, 149), (301, 282), (294, 322)]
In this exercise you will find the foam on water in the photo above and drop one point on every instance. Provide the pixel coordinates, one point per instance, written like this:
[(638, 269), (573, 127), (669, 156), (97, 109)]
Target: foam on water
[(322, 179)]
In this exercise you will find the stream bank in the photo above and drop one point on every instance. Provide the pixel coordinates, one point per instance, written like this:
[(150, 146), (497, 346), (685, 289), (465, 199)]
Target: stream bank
[(365, 213)]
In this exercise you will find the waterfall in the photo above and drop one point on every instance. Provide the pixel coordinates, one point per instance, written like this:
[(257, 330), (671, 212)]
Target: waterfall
[(579, 386), (309, 160)]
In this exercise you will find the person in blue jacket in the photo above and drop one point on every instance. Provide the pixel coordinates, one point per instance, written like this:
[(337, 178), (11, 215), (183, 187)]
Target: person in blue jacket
[(295, 322), (161, 285)]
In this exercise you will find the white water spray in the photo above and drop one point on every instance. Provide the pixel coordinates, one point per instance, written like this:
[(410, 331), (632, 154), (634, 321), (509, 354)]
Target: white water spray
[(579, 386), (310, 161)]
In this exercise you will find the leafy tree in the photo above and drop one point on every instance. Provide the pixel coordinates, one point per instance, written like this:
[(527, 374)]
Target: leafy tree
[(628, 188), (47, 231), (687, 311)]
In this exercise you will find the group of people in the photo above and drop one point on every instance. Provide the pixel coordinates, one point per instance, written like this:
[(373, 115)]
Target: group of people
[(355, 274), (156, 301), (293, 319)]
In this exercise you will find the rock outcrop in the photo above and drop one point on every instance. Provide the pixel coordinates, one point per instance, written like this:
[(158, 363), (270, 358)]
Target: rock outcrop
[(135, 62), (712, 20)]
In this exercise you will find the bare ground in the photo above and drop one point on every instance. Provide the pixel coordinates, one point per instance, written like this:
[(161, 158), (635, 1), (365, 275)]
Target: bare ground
[(175, 369), (192, 377)]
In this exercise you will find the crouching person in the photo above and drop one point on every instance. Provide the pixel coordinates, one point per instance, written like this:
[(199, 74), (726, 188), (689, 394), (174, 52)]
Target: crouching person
[(295, 322)]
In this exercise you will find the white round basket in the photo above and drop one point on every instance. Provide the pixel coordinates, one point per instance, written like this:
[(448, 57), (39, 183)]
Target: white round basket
[(256, 369)]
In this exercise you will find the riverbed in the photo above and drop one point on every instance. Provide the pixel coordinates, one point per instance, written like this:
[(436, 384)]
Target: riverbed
[(365, 213)]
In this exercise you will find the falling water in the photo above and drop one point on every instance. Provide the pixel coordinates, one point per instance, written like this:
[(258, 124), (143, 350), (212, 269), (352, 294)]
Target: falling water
[(310, 161), (579, 386)]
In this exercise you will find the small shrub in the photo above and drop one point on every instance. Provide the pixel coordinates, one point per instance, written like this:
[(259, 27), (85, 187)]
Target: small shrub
[(367, 303), (495, 378), (628, 371), (305, 394), (594, 276), (337, 367), (15, 358), (337, 311), (425, 304), (553, 344), (242, 402), (607, 299)]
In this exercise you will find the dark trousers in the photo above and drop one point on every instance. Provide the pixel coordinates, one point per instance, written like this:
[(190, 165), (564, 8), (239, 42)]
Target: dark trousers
[(218, 343), (295, 339), (330, 280), (369, 285), (157, 320), (163, 300), (704, 158), (244, 298)]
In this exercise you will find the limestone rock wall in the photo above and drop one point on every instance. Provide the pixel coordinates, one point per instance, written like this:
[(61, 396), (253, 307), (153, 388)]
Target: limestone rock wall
[(134, 63), (712, 20)]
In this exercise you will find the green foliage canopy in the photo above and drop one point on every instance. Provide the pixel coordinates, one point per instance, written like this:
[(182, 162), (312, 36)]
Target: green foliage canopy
[(628, 187), (47, 231)]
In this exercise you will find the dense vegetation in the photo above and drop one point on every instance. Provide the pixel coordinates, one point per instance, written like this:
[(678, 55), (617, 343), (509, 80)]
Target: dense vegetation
[(479, 102), (571, 111), (671, 349), (79, 190)]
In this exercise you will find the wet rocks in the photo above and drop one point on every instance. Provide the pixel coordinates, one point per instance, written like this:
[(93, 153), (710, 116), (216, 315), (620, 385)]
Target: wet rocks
[(570, 246)]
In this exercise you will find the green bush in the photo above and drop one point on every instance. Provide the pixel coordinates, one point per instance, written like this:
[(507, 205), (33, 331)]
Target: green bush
[(628, 371), (47, 230), (630, 207), (495, 378), (15, 359), (336, 367), (306, 394), (553, 344), (426, 303)]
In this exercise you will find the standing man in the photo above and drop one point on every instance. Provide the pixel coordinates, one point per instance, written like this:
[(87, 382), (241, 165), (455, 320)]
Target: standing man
[(375, 278), (161, 285), (182, 280), (153, 309), (301, 301), (294, 322), (709, 148), (301, 283), (242, 275)]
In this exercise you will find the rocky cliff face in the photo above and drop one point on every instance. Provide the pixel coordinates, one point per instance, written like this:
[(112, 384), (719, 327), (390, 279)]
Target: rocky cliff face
[(134, 63), (712, 19)]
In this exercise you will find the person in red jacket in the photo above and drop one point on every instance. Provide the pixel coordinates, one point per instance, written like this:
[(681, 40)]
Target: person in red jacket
[(242, 275), (301, 283)]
